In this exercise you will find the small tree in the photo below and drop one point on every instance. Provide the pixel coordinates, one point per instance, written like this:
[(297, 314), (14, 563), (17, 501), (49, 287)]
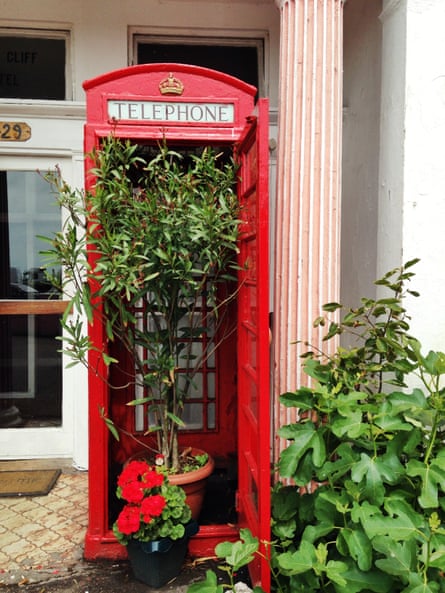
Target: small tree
[(142, 249)]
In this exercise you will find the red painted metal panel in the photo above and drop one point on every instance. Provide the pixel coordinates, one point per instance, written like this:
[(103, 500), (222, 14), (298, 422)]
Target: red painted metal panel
[(141, 83), (254, 473)]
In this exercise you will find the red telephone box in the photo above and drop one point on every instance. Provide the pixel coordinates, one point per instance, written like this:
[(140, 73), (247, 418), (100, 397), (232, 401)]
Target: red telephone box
[(190, 106)]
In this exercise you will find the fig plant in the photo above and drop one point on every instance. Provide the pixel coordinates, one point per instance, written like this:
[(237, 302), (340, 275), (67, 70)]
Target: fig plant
[(361, 502), (365, 510)]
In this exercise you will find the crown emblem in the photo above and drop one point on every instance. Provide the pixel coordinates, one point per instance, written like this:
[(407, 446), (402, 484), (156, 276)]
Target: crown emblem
[(171, 86)]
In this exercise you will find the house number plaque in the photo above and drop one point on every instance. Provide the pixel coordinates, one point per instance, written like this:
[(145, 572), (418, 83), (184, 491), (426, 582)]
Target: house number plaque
[(14, 131)]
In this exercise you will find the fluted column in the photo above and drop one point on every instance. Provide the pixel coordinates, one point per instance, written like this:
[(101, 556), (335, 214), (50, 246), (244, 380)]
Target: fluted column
[(308, 189)]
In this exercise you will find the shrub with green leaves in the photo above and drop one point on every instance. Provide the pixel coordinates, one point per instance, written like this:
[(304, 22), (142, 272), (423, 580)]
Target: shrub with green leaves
[(366, 460), (155, 235)]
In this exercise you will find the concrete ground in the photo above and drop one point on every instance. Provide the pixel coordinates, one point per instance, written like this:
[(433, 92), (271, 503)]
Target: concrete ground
[(41, 543)]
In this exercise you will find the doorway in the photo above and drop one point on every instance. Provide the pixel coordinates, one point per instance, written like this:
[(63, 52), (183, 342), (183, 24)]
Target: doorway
[(206, 375), (31, 403)]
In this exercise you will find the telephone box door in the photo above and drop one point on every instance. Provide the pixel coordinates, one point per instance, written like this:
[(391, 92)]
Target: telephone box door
[(254, 473)]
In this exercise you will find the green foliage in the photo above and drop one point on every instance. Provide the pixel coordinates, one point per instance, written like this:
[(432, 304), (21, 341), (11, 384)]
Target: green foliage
[(369, 452), (235, 556), (364, 506), (150, 240)]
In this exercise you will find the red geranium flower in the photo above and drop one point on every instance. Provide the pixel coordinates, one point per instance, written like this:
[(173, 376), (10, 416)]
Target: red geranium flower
[(151, 479), (133, 472), (152, 507), (133, 492), (128, 521)]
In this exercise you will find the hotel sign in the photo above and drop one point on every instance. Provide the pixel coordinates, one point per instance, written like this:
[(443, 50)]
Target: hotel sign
[(171, 111)]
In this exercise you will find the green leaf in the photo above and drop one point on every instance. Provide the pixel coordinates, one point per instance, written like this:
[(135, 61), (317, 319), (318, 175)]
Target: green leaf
[(400, 557), (423, 587), (112, 428), (302, 399), (285, 503), (299, 561), (284, 530), (432, 476), (434, 363), (374, 523), (331, 307), (208, 585), (367, 469), (402, 402), (335, 571), (314, 532), (305, 438), (437, 557), (239, 553), (396, 504), (352, 425), (389, 467), (357, 580), (108, 359), (359, 547), (345, 459)]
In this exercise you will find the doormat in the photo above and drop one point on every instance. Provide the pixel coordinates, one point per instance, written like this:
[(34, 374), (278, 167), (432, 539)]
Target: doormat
[(28, 482)]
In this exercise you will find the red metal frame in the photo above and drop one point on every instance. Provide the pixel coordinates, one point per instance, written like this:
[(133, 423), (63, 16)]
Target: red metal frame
[(219, 441), (254, 472), (141, 83)]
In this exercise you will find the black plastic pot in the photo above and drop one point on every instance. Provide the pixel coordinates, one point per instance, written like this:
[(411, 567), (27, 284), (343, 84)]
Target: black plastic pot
[(157, 562)]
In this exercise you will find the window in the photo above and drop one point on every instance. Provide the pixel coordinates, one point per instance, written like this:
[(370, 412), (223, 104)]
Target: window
[(33, 65), (242, 58)]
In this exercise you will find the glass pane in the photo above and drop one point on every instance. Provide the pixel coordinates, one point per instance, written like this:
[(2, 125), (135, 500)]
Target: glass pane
[(30, 371), (192, 388), (193, 416), (236, 60), (211, 419), (211, 389), (32, 68), (26, 210)]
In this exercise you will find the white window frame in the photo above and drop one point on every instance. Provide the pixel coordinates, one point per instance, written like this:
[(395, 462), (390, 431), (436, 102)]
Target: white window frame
[(233, 38), (45, 33)]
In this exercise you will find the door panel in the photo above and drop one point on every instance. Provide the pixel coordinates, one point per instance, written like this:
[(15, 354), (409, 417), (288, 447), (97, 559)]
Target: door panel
[(253, 339), (30, 359)]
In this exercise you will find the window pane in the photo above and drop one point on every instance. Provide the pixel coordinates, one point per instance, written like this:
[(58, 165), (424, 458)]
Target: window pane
[(32, 68), (27, 210), (30, 371), (238, 61)]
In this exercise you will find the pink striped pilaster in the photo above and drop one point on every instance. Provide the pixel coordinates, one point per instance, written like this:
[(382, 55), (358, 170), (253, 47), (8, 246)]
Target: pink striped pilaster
[(307, 267)]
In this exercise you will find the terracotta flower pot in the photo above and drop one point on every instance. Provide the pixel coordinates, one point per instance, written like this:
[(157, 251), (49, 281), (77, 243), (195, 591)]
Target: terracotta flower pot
[(194, 483)]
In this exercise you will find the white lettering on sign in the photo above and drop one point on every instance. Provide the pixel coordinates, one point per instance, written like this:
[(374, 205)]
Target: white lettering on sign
[(206, 113)]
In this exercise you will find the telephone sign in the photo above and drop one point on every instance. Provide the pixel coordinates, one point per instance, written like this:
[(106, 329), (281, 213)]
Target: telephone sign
[(184, 112)]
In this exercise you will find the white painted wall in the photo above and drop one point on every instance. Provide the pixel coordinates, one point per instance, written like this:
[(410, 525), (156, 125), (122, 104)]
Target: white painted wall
[(100, 28), (361, 133), (412, 170)]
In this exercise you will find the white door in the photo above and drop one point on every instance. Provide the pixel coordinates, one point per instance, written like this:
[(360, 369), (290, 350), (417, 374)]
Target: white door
[(37, 395)]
